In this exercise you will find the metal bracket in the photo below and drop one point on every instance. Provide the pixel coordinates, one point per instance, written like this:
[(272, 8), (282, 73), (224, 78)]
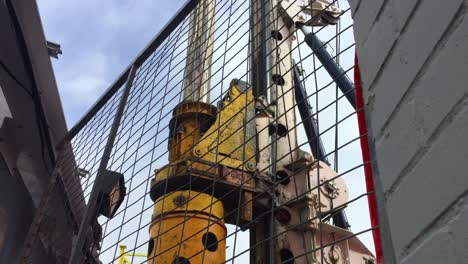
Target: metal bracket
[(233, 128)]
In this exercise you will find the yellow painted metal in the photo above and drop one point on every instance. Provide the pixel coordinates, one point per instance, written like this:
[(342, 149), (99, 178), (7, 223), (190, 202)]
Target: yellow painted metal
[(203, 141), (189, 121), (187, 225), (206, 142), (182, 201), (228, 141), (123, 255), (182, 168)]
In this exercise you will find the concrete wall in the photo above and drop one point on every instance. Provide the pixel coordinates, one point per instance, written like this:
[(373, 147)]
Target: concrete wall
[(413, 57)]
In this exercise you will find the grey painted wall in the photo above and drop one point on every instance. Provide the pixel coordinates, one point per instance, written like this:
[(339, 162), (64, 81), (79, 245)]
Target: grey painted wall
[(413, 57)]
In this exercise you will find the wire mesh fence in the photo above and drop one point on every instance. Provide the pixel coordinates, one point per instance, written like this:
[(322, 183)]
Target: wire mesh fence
[(240, 171)]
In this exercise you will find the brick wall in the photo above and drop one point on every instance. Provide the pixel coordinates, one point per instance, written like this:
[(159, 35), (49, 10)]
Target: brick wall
[(413, 57)]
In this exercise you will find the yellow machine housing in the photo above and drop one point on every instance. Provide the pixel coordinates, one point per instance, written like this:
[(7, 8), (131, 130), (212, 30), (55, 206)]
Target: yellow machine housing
[(208, 144), (187, 225), (211, 165)]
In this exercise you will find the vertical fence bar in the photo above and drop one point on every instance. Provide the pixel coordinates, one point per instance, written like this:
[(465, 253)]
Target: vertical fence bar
[(92, 204)]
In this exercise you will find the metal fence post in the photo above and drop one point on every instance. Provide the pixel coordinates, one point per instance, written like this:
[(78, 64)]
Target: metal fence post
[(92, 204)]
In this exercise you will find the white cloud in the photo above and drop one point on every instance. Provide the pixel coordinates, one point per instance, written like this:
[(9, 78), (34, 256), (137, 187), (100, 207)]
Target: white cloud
[(99, 39)]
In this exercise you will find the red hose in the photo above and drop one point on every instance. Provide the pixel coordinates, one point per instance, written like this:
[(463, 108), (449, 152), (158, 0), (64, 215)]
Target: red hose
[(366, 157)]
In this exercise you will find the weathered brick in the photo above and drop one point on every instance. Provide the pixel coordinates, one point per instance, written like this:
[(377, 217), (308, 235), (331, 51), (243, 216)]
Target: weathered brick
[(413, 58), (365, 17), (376, 47), (403, 9), (432, 185), (414, 46), (459, 231), (422, 110), (438, 248), (354, 4)]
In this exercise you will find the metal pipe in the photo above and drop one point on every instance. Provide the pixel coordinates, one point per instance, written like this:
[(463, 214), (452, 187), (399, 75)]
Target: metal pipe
[(200, 53), (204, 211), (333, 68), (313, 136), (307, 116), (260, 62), (260, 46)]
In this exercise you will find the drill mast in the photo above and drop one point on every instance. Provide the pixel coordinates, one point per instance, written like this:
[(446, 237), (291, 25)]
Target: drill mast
[(248, 143)]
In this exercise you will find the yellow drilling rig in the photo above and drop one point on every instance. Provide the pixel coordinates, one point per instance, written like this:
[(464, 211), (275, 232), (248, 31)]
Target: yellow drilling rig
[(222, 158)]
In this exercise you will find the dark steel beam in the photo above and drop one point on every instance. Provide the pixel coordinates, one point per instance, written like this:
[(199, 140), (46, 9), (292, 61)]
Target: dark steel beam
[(41, 119)]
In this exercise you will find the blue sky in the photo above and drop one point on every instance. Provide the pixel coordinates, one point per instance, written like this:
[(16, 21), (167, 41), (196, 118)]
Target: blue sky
[(99, 39)]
